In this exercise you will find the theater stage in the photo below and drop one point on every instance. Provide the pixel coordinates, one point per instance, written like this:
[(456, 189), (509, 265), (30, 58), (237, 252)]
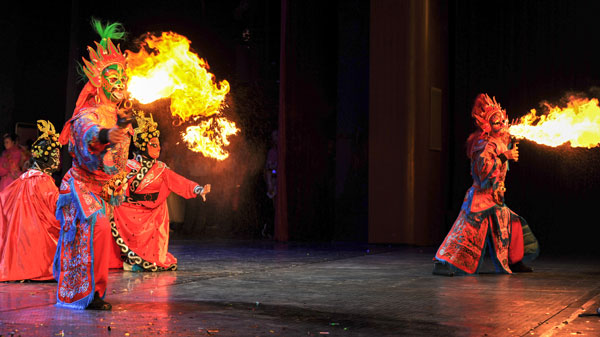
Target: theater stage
[(270, 289)]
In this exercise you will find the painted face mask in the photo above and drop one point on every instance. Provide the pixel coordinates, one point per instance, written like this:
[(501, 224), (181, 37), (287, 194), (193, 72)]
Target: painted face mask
[(497, 124), (484, 110), (154, 148), (106, 70), (114, 83)]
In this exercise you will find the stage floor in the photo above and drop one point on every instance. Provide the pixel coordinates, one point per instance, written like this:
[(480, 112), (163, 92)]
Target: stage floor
[(271, 289)]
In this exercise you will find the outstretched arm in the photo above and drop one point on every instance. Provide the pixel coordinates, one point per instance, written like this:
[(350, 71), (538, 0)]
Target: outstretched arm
[(183, 186)]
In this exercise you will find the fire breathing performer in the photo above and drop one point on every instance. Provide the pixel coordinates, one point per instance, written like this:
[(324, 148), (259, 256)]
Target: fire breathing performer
[(484, 221), (98, 135), (141, 224), (28, 227)]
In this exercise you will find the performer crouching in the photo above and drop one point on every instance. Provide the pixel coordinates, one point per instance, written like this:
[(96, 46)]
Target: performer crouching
[(141, 224), (485, 222)]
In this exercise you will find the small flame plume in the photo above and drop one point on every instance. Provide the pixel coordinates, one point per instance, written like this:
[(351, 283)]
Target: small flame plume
[(197, 136), (577, 124), (170, 69)]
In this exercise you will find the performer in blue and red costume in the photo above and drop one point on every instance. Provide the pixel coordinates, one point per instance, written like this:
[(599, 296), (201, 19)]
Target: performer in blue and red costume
[(98, 136), (485, 222), (141, 224)]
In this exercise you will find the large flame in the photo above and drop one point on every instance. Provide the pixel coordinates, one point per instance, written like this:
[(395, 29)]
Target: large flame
[(165, 67), (577, 124)]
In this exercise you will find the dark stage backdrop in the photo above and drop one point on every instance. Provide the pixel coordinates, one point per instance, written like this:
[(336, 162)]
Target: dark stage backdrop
[(408, 146), (526, 52), (323, 120), (34, 58), (240, 39), (522, 52)]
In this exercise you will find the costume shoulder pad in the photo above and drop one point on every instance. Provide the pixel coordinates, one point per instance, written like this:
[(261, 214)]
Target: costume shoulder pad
[(161, 164)]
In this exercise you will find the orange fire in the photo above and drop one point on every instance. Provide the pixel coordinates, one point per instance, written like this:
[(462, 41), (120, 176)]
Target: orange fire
[(165, 67), (215, 130), (577, 124)]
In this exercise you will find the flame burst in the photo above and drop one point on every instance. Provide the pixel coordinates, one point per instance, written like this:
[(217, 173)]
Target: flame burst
[(170, 69), (197, 136), (577, 124)]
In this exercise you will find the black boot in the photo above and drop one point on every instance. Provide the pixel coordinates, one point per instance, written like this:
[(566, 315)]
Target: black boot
[(441, 269), (98, 303), (520, 267)]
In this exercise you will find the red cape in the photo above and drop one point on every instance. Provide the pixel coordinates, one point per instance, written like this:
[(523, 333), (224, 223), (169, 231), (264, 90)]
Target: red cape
[(28, 227)]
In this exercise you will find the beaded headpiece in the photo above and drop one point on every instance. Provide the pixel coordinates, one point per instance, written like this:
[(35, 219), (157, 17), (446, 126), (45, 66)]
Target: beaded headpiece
[(47, 141), (146, 129)]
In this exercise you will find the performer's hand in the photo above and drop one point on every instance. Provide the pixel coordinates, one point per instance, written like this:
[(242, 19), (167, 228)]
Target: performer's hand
[(205, 191), (513, 154), (124, 116), (117, 135)]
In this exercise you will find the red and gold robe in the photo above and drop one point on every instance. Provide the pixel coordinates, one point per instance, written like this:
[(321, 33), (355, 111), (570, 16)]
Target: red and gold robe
[(28, 227), (141, 224), (484, 219)]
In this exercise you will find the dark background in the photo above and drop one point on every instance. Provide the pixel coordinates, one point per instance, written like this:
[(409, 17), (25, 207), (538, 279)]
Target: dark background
[(356, 88)]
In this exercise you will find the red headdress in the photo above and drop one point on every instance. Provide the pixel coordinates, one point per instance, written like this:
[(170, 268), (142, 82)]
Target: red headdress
[(106, 54), (101, 58), (483, 109)]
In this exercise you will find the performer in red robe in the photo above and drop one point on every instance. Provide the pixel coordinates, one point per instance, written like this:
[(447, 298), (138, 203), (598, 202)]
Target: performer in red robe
[(28, 227), (11, 160), (98, 135), (141, 224), (484, 219)]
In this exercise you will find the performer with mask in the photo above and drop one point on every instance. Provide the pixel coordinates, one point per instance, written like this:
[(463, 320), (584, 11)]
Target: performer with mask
[(98, 136), (28, 227), (485, 222), (141, 224)]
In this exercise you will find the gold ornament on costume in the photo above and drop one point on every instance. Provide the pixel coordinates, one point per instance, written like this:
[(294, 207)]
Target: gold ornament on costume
[(146, 129), (46, 142), (115, 187)]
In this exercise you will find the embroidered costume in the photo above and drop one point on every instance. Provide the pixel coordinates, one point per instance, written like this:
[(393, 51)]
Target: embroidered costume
[(95, 182), (141, 224), (484, 219), (28, 227)]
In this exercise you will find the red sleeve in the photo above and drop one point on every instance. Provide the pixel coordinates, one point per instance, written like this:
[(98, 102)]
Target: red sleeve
[(487, 161), (178, 184)]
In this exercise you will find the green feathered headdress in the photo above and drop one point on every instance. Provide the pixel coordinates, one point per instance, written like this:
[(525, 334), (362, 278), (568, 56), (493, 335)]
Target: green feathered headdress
[(106, 53)]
